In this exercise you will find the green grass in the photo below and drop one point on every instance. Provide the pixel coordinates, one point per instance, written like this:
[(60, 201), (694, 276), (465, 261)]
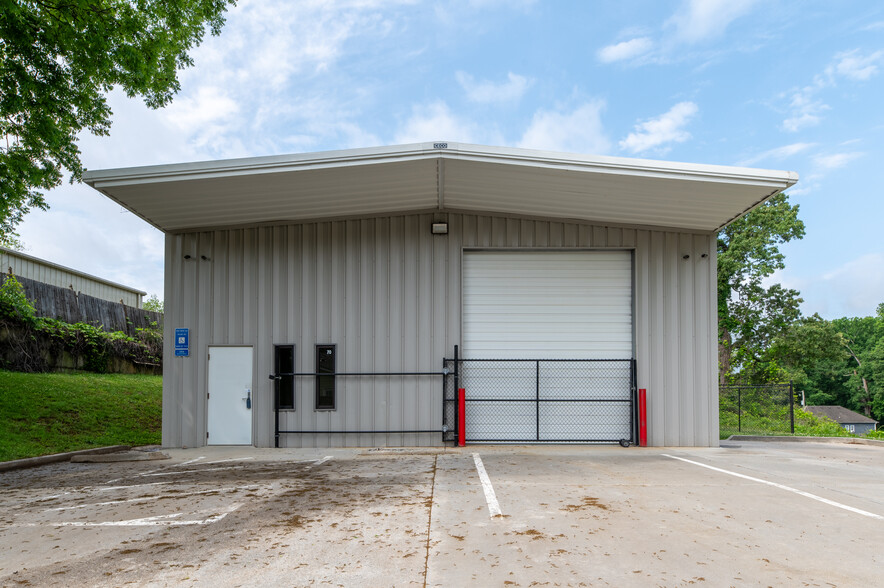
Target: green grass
[(42, 414), (771, 420)]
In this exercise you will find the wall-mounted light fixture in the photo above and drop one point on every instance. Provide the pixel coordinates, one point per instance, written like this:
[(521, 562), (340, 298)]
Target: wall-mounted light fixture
[(705, 255), (204, 258), (686, 256), (187, 256), (440, 228)]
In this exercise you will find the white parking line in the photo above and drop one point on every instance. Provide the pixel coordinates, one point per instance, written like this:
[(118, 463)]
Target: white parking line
[(107, 488), (487, 488), (178, 472), (42, 498), (782, 487), (148, 498), (160, 520), (148, 473), (319, 461), (226, 460)]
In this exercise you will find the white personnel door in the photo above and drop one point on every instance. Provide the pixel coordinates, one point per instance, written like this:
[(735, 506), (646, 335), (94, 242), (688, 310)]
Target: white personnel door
[(230, 396)]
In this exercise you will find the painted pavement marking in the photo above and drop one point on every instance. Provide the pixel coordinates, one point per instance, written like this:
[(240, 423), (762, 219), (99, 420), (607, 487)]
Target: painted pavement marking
[(148, 498), (487, 488), (320, 461), (782, 487), (168, 520)]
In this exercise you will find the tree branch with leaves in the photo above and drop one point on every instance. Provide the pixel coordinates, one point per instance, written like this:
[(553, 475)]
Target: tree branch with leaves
[(58, 61), (750, 314)]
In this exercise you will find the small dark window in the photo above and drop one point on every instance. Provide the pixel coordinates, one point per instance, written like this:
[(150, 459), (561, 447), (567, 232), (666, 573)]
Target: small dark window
[(285, 383), (325, 385)]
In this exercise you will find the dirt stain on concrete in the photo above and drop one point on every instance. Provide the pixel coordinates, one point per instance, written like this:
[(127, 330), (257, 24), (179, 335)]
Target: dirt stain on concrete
[(585, 502)]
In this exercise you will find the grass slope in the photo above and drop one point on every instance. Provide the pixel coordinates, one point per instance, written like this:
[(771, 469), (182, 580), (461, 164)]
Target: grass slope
[(42, 414)]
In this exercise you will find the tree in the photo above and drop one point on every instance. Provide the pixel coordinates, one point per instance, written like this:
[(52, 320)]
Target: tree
[(751, 315), (811, 353), (11, 241), (153, 303), (59, 59), (862, 337)]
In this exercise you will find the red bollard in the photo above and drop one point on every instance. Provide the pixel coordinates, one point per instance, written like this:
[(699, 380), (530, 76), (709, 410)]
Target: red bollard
[(642, 418), (461, 417)]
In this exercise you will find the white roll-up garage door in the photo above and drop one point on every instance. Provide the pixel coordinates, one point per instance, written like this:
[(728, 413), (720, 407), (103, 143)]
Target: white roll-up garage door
[(547, 305)]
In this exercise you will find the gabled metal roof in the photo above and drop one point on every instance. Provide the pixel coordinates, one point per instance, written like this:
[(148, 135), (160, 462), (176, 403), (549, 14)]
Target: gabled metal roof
[(438, 176), (841, 415)]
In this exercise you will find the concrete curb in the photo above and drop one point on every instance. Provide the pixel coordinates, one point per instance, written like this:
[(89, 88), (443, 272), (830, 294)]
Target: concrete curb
[(30, 462), (119, 456), (842, 440)]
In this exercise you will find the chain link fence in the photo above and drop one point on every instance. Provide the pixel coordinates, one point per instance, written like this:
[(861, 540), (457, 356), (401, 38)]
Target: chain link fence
[(544, 400), (756, 410)]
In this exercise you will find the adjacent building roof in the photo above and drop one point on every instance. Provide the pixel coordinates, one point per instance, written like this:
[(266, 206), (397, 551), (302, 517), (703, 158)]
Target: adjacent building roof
[(31, 268), (840, 415), (438, 176)]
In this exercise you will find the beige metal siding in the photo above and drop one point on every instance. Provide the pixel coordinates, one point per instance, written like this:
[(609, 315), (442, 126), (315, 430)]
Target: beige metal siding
[(388, 293), (27, 266)]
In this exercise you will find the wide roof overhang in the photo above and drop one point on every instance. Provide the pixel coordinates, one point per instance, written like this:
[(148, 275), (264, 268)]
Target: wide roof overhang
[(438, 176)]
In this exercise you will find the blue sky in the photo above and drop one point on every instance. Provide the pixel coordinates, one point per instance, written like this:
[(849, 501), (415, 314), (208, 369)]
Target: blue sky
[(794, 85)]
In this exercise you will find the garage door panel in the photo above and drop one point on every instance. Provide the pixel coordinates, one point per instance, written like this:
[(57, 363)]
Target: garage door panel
[(567, 380), (544, 305), (501, 380)]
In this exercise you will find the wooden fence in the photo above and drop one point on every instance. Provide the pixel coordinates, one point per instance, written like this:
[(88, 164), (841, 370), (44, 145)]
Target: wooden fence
[(75, 307)]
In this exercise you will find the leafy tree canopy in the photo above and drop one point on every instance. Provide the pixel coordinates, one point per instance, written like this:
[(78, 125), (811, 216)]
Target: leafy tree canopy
[(153, 303), (58, 61), (812, 353), (751, 315)]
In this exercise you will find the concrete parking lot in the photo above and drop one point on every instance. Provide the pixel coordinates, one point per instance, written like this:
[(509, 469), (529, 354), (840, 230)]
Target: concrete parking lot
[(744, 514)]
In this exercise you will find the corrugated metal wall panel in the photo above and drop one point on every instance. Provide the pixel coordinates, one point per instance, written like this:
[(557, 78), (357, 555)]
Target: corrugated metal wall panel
[(389, 294), (57, 276)]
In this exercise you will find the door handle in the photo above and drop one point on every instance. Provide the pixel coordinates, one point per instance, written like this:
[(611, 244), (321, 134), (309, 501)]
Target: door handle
[(248, 398)]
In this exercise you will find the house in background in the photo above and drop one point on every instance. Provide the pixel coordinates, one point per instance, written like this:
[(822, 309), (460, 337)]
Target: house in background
[(852, 421), (348, 277), (33, 268)]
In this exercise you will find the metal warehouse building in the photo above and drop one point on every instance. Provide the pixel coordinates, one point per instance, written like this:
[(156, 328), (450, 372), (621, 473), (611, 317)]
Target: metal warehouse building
[(341, 298), (33, 268)]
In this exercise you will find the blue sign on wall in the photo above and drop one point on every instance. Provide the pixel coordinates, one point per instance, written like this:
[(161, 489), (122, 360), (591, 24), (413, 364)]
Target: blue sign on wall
[(182, 342)]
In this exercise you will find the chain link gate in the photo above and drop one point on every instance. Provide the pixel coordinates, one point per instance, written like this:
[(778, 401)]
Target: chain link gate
[(542, 400)]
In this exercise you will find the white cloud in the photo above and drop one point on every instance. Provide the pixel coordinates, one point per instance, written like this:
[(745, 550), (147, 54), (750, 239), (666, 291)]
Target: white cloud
[(666, 128), (698, 20), (806, 108), (486, 91), (835, 160), (578, 131), (777, 153), (625, 50), (800, 121), (275, 66), (81, 223), (208, 105), (855, 66), (435, 122), (852, 289)]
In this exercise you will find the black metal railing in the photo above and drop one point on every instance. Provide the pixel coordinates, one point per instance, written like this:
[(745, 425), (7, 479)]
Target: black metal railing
[(516, 400), (543, 400), (756, 409), (276, 410)]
